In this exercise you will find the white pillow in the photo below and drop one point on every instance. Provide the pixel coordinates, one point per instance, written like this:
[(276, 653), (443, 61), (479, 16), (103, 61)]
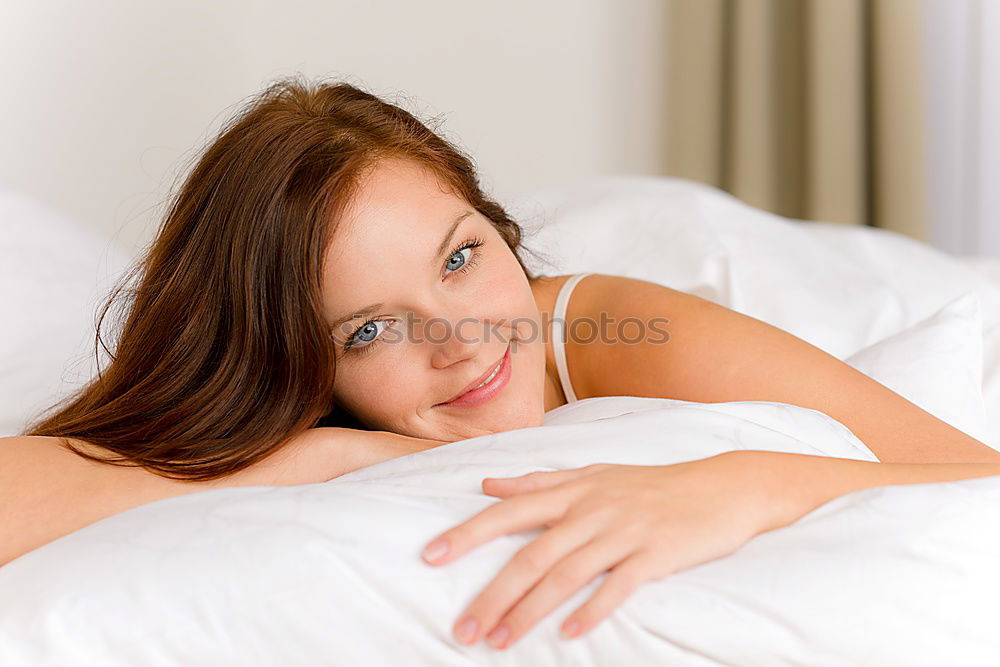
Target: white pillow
[(936, 364), (53, 275), (330, 573)]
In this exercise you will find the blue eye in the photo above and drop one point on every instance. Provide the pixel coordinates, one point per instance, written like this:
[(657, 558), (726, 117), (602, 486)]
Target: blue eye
[(463, 257), (458, 259), (364, 335)]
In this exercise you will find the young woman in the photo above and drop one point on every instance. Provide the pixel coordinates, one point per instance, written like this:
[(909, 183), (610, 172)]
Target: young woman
[(331, 288)]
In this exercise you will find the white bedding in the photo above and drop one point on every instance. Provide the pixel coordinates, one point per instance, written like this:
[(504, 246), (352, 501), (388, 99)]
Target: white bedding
[(840, 287), (331, 574)]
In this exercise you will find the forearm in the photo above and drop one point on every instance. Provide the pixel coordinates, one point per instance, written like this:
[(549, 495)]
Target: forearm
[(796, 484), (47, 492), (322, 454)]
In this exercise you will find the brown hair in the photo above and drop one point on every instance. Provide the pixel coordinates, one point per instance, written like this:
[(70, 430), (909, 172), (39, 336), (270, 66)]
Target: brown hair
[(225, 354)]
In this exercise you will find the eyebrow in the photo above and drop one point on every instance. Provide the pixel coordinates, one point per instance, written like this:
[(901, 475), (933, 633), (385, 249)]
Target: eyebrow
[(370, 308), (451, 232)]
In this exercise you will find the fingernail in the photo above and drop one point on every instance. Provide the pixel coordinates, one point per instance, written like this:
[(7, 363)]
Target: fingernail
[(466, 630), (571, 629), (498, 638), (435, 550)]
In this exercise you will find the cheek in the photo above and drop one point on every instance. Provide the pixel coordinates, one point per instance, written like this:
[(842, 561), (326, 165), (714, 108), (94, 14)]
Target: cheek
[(360, 389), (507, 289), (379, 391)]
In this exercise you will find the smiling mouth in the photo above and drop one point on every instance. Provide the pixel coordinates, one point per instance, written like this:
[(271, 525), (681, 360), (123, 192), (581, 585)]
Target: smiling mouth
[(487, 387)]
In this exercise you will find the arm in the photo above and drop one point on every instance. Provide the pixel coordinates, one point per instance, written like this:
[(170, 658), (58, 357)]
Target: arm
[(642, 523), (795, 484), (716, 355), (47, 491)]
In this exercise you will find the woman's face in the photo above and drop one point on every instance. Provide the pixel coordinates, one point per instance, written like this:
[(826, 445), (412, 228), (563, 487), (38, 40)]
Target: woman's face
[(444, 312)]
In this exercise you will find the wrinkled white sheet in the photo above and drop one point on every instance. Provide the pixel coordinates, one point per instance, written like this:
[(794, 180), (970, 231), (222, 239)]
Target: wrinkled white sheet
[(331, 574)]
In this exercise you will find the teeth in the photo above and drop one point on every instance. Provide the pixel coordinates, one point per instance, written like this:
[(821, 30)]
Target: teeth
[(492, 375)]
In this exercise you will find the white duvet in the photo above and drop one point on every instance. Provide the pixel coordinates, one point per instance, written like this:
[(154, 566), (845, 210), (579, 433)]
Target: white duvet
[(331, 573)]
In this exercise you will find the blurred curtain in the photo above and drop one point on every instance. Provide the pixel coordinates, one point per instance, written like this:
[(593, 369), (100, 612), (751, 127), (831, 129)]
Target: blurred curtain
[(808, 108)]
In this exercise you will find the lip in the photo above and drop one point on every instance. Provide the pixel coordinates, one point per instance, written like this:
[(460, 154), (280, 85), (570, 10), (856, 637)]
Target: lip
[(473, 397)]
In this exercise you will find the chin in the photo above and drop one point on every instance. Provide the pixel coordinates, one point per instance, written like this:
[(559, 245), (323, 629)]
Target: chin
[(526, 415), (516, 417)]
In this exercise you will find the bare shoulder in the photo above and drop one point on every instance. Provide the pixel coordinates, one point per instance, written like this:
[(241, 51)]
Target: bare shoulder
[(38, 457), (21, 443), (597, 290), (619, 334), (44, 446), (545, 289), (622, 335), (626, 296), (659, 342)]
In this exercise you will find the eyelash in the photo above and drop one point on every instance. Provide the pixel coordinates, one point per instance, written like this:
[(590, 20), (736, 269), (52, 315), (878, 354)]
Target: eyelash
[(474, 242)]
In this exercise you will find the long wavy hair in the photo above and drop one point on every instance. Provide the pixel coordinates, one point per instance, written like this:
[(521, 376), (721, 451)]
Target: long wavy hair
[(224, 353)]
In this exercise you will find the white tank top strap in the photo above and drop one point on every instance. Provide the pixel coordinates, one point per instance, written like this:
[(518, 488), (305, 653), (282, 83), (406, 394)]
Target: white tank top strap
[(559, 333)]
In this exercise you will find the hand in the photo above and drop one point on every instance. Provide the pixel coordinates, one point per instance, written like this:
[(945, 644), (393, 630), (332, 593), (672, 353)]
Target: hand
[(640, 523)]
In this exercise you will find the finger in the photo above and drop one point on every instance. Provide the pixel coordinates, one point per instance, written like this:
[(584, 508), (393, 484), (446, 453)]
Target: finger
[(511, 515), (567, 577), (620, 583), (534, 481), (523, 571)]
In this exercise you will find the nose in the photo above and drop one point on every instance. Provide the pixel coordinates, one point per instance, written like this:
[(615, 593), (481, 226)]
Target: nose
[(451, 341)]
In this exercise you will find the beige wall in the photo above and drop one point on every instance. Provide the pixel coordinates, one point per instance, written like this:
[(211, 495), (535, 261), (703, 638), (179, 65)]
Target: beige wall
[(104, 103)]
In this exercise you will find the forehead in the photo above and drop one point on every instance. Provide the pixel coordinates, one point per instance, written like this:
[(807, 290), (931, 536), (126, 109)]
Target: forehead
[(397, 199), (389, 230)]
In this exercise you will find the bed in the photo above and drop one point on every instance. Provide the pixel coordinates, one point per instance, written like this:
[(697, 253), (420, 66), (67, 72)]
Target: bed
[(331, 573)]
